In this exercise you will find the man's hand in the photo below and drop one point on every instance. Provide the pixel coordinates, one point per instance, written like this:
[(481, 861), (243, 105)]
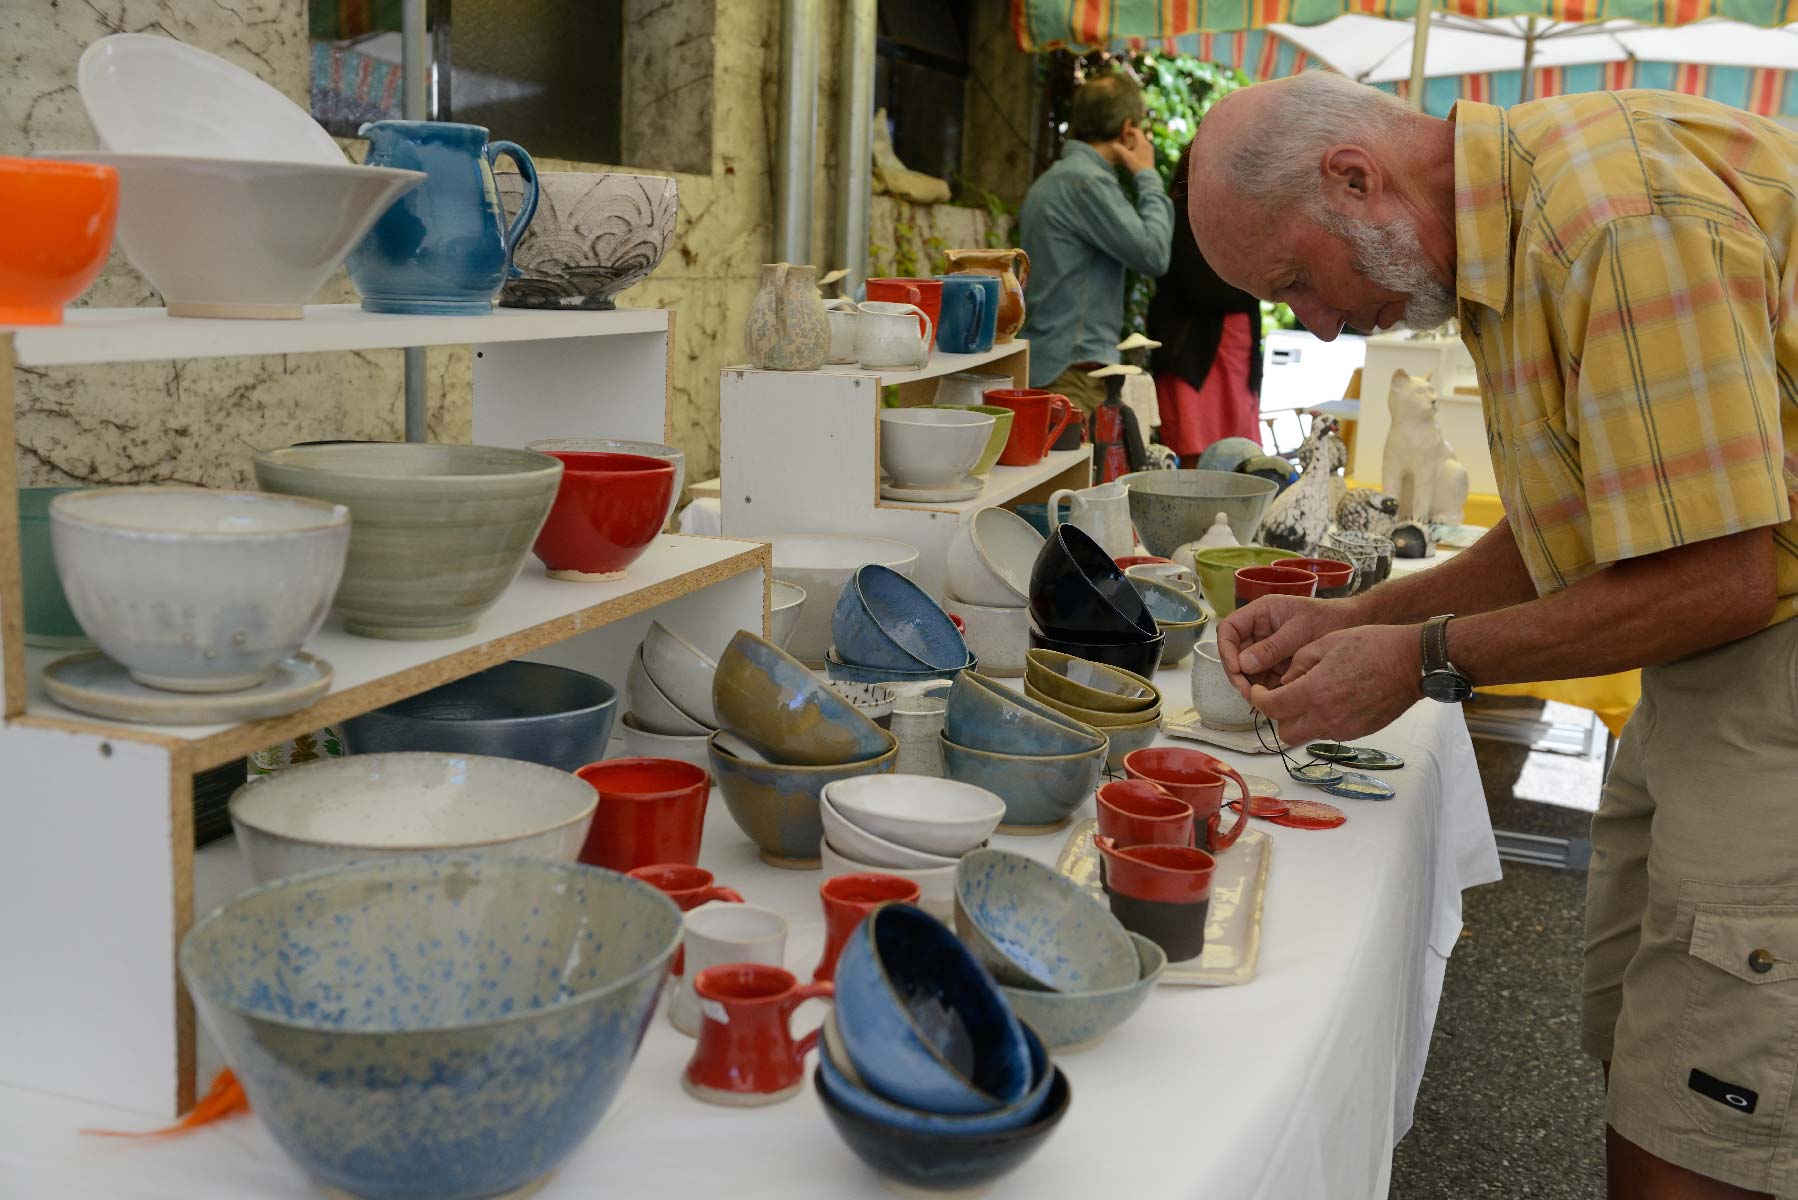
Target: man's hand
[(1135, 149), (1345, 685), (1258, 641)]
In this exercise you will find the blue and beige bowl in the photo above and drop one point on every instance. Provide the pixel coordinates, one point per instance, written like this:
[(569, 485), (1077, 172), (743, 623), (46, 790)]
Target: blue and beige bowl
[(837, 669), (436, 1028), (1072, 1021), (1033, 927), (775, 703), (922, 1023), (848, 1088), (883, 619), (1040, 791), (984, 715), (776, 804)]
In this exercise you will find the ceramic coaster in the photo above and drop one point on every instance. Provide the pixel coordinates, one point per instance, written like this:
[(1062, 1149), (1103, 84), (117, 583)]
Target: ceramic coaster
[(1185, 724), (1265, 807), (96, 685), (967, 489), (1310, 814), (1321, 773), (1359, 787)]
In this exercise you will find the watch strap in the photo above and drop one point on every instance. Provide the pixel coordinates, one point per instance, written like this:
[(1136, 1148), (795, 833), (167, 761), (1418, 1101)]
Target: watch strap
[(1435, 643)]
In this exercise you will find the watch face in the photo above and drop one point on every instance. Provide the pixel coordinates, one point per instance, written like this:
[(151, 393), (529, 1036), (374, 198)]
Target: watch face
[(1450, 687)]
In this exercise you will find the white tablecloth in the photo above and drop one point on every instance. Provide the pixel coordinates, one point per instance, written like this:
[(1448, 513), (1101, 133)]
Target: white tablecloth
[(1295, 1085)]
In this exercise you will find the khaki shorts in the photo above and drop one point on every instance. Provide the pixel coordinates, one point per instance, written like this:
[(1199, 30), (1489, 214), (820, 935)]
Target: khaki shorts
[(1691, 970), (1086, 392)]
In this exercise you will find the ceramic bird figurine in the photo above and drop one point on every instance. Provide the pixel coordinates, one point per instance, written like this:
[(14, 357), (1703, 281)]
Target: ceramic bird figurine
[(1300, 516), (1367, 510)]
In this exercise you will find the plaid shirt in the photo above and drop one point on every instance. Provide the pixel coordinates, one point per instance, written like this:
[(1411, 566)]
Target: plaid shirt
[(1627, 277)]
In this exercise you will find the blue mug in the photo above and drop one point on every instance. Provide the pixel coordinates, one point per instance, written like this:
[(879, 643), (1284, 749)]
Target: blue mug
[(970, 314)]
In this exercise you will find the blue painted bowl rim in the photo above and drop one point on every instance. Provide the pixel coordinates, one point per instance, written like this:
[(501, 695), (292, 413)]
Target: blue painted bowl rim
[(903, 583), (1033, 1044), (377, 867), (1050, 1117), (517, 665)]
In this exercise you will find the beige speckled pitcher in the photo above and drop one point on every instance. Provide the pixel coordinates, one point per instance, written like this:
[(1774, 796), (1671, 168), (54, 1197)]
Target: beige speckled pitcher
[(787, 329)]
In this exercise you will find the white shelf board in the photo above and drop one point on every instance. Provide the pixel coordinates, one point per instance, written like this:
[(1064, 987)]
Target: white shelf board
[(1006, 482), (940, 364), (390, 670), (102, 335)]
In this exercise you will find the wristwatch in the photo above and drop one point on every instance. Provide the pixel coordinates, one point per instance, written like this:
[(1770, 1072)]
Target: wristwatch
[(1442, 680)]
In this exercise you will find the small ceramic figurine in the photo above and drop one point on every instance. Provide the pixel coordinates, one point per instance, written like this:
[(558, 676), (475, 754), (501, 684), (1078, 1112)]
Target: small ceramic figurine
[(1366, 510), (1218, 535), (1418, 466), (787, 329), (1300, 516), (1411, 540)]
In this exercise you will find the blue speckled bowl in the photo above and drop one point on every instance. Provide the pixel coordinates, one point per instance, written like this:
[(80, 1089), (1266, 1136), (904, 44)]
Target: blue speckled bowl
[(984, 715), (1078, 1020), (883, 619), (875, 1107), (1041, 791), (434, 1028), (920, 1020), (1035, 928)]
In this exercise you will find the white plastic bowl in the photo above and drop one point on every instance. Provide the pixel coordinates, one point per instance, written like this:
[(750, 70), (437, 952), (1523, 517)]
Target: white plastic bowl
[(990, 558), (935, 816), (857, 842), (822, 563)]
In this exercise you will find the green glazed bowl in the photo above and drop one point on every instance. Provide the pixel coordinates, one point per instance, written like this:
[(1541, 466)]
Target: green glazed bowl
[(49, 621), (1217, 569), (995, 442)]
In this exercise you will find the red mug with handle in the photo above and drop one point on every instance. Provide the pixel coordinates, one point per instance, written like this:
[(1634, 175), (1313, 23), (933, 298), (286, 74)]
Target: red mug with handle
[(927, 294), (1039, 419), (1197, 778), (1135, 812), (848, 899), (688, 887), (747, 1054)]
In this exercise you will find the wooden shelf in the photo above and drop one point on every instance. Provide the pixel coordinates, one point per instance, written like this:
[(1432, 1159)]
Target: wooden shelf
[(105, 335), (1006, 483), (533, 613), (940, 364)]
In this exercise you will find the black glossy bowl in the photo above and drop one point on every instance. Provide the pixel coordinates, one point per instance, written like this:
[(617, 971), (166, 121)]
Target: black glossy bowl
[(1141, 658), (1076, 588), (935, 1162)]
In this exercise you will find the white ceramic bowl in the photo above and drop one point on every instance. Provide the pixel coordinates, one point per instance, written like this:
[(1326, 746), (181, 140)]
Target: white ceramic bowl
[(858, 843), (342, 810), (682, 671), (990, 558), (931, 447), (195, 590), (223, 237), (654, 711), (643, 743), (998, 637), (154, 95), (936, 884), (822, 563), (785, 602), (936, 816)]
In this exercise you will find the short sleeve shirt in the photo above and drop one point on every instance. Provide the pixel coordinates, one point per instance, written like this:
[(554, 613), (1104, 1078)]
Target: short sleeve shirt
[(1626, 276)]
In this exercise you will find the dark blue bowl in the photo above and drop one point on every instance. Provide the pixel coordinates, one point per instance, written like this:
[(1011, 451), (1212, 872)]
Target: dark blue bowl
[(1076, 588), (875, 1107)]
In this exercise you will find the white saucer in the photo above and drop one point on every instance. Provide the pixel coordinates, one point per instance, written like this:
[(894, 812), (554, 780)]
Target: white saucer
[(967, 489), (96, 685)]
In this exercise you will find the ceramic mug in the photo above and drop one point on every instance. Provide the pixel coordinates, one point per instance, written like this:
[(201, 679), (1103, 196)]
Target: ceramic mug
[(1135, 812), (747, 1054), (651, 810), (848, 899), (1252, 583), (1219, 704), (924, 292), (885, 336), (842, 314), (1198, 779), (1335, 578), (719, 932), (687, 886), (1160, 892), (1033, 429), (1102, 511), (970, 314)]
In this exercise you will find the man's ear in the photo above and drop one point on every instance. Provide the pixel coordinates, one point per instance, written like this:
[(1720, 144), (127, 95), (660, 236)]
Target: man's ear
[(1350, 179)]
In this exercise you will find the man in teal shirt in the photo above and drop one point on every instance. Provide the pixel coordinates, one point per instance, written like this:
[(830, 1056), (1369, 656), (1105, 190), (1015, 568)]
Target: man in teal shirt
[(1081, 232)]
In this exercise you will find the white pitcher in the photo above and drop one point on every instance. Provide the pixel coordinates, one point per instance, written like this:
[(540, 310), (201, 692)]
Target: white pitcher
[(889, 335), (1103, 512)]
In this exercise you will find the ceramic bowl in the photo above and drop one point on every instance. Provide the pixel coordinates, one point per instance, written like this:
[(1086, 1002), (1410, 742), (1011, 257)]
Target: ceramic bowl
[(1070, 1021), (822, 563), (1177, 642), (437, 532), (1078, 593), (847, 1087), (693, 748), (368, 806), (776, 804), (608, 510), (1168, 604), (1124, 740), (936, 885), (59, 227), (785, 602), (1080, 683), (1217, 569), (922, 1024), (924, 1163), (195, 590), (768, 698), (990, 559), (1033, 927), (1098, 719), (999, 637), (654, 711), (932, 447), (878, 852), (559, 717), (937, 816), (595, 234), (1171, 508), (883, 619), (346, 1061), (224, 237), (836, 669), (995, 441), (1040, 792), (874, 701), (579, 445), (984, 715), (49, 621), (682, 671), (1139, 658)]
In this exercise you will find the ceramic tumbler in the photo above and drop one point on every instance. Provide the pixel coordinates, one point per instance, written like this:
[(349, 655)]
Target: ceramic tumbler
[(747, 1054), (841, 315), (918, 714), (651, 810), (1135, 812), (1040, 418), (1335, 578), (886, 338), (1160, 892), (970, 314), (925, 293), (1102, 511), (1219, 704), (718, 932), (848, 899), (1252, 583)]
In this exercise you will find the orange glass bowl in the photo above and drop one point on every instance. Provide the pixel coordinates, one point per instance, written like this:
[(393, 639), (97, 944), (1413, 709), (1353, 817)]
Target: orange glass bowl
[(57, 232)]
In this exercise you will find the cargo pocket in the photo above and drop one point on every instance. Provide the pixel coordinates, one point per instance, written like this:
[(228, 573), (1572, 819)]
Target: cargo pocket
[(1735, 1058)]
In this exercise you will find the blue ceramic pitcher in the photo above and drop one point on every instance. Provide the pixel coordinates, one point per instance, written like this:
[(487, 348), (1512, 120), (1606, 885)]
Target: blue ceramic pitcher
[(443, 248)]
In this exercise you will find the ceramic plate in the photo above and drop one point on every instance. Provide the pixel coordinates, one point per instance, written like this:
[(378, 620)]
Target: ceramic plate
[(96, 685), (967, 489)]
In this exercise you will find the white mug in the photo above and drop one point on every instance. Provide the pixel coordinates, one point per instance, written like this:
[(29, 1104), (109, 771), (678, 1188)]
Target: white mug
[(1219, 704), (716, 933), (842, 314), (1103, 512), (918, 713), (887, 335)]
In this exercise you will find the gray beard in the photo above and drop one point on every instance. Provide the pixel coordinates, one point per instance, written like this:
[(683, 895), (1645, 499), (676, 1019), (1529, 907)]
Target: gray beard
[(1389, 255)]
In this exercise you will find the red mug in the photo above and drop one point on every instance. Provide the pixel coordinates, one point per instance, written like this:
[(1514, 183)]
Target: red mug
[(1160, 892), (1197, 778), (1252, 583), (1135, 812), (651, 811), (688, 887), (1032, 432), (747, 1054), (848, 899), (1333, 578), (927, 294)]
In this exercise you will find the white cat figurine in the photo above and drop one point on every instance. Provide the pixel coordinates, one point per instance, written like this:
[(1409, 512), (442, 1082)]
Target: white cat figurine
[(1418, 466)]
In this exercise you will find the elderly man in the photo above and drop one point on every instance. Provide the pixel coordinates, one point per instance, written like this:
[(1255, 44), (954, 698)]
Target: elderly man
[(1623, 267)]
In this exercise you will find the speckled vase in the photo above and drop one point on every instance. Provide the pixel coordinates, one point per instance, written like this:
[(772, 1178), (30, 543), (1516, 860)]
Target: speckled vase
[(788, 328)]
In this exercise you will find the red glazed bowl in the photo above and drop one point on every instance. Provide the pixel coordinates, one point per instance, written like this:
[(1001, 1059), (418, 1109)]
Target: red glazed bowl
[(58, 228), (1252, 583), (1137, 560), (608, 509), (651, 811), (1333, 578)]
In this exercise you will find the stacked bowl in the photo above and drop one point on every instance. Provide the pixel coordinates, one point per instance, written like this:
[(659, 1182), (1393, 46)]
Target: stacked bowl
[(1083, 605), (784, 735), (1178, 616), (668, 699), (988, 587), (913, 826), (1040, 762), (887, 629), (820, 564), (926, 1072), (1124, 706)]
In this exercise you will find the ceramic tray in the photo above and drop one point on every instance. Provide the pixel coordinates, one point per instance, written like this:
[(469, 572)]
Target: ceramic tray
[(1185, 724), (1232, 927)]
